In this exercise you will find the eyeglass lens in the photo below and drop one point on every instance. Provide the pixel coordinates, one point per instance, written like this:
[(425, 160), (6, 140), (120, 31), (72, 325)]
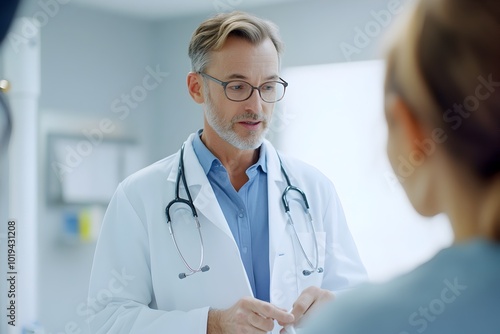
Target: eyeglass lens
[(271, 91)]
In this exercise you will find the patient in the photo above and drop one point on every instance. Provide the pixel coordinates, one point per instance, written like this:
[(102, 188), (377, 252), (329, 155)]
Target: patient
[(442, 105), (7, 11)]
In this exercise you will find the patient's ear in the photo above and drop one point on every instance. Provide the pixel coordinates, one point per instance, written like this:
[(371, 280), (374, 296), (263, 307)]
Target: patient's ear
[(195, 87), (412, 161), (402, 120)]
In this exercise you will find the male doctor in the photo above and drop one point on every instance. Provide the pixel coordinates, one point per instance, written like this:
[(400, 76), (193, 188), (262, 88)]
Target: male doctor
[(249, 262)]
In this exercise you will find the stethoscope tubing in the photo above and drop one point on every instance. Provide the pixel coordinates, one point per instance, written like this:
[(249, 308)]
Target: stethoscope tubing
[(189, 203), (315, 267), (181, 176)]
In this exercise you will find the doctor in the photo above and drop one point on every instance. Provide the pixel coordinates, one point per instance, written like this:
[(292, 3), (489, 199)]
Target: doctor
[(249, 262)]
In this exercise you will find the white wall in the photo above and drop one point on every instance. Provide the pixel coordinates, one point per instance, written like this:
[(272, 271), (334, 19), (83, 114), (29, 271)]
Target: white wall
[(90, 58)]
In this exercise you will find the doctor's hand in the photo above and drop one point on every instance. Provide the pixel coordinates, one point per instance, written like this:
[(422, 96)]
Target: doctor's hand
[(308, 302), (248, 315)]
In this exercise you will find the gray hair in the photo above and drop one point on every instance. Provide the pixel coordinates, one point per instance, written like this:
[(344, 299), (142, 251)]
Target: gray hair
[(213, 33)]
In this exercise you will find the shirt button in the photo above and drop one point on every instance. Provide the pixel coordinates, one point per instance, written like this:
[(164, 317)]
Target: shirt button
[(245, 250), (241, 215)]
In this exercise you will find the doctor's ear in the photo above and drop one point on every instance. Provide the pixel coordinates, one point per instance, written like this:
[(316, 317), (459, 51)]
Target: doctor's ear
[(195, 87)]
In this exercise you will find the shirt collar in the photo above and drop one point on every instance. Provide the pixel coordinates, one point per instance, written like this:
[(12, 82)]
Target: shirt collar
[(207, 159), (262, 162)]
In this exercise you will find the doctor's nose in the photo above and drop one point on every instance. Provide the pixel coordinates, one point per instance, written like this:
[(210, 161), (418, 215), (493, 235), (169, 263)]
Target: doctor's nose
[(254, 102)]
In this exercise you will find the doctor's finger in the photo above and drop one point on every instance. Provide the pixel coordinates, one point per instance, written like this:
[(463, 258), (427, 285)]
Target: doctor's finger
[(260, 323), (310, 299), (268, 310)]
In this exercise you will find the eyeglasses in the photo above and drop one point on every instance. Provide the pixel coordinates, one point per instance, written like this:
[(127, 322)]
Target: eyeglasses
[(237, 90)]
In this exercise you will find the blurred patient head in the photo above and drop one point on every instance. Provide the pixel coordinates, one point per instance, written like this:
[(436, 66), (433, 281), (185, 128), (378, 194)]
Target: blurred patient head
[(442, 102)]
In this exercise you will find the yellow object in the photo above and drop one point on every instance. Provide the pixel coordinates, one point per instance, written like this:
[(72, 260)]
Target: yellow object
[(85, 226)]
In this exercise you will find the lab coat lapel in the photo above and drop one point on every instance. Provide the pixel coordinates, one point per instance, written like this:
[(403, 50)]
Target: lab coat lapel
[(277, 217), (201, 191)]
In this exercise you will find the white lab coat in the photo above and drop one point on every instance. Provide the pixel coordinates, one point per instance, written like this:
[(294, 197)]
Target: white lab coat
[(135, 286)]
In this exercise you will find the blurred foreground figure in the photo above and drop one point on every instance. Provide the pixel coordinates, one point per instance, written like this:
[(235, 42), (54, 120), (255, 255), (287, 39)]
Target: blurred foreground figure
[(442, 104), (7, 11)]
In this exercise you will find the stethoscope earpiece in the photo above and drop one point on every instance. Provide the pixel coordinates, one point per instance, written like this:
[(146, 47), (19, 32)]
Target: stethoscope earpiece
[(202, 269), (306, 272)]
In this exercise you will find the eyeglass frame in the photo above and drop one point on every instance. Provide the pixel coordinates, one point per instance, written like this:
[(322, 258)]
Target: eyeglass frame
[(225, 83)]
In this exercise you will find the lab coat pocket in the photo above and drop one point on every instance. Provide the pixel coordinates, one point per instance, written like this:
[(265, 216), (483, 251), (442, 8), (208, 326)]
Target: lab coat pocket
[(306, 265)]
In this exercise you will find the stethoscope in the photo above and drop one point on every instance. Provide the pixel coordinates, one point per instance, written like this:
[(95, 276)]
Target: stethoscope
[(181, 175)]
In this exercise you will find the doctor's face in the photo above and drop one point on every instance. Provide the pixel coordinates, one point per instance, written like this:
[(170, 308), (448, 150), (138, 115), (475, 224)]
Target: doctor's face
[(242, 124)]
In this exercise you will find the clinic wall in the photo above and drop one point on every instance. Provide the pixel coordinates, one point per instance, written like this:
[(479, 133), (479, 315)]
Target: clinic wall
[(89, 59), (313, 32)]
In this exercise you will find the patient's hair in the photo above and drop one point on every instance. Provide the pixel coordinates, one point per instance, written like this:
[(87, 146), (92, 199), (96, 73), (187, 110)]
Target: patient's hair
[(445, 63), (213, 33)]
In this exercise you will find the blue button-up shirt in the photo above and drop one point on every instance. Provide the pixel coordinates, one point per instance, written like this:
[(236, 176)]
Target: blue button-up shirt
[(246, 212)]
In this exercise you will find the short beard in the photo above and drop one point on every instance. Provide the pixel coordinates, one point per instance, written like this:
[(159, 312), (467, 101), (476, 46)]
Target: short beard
[(227, 133)]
